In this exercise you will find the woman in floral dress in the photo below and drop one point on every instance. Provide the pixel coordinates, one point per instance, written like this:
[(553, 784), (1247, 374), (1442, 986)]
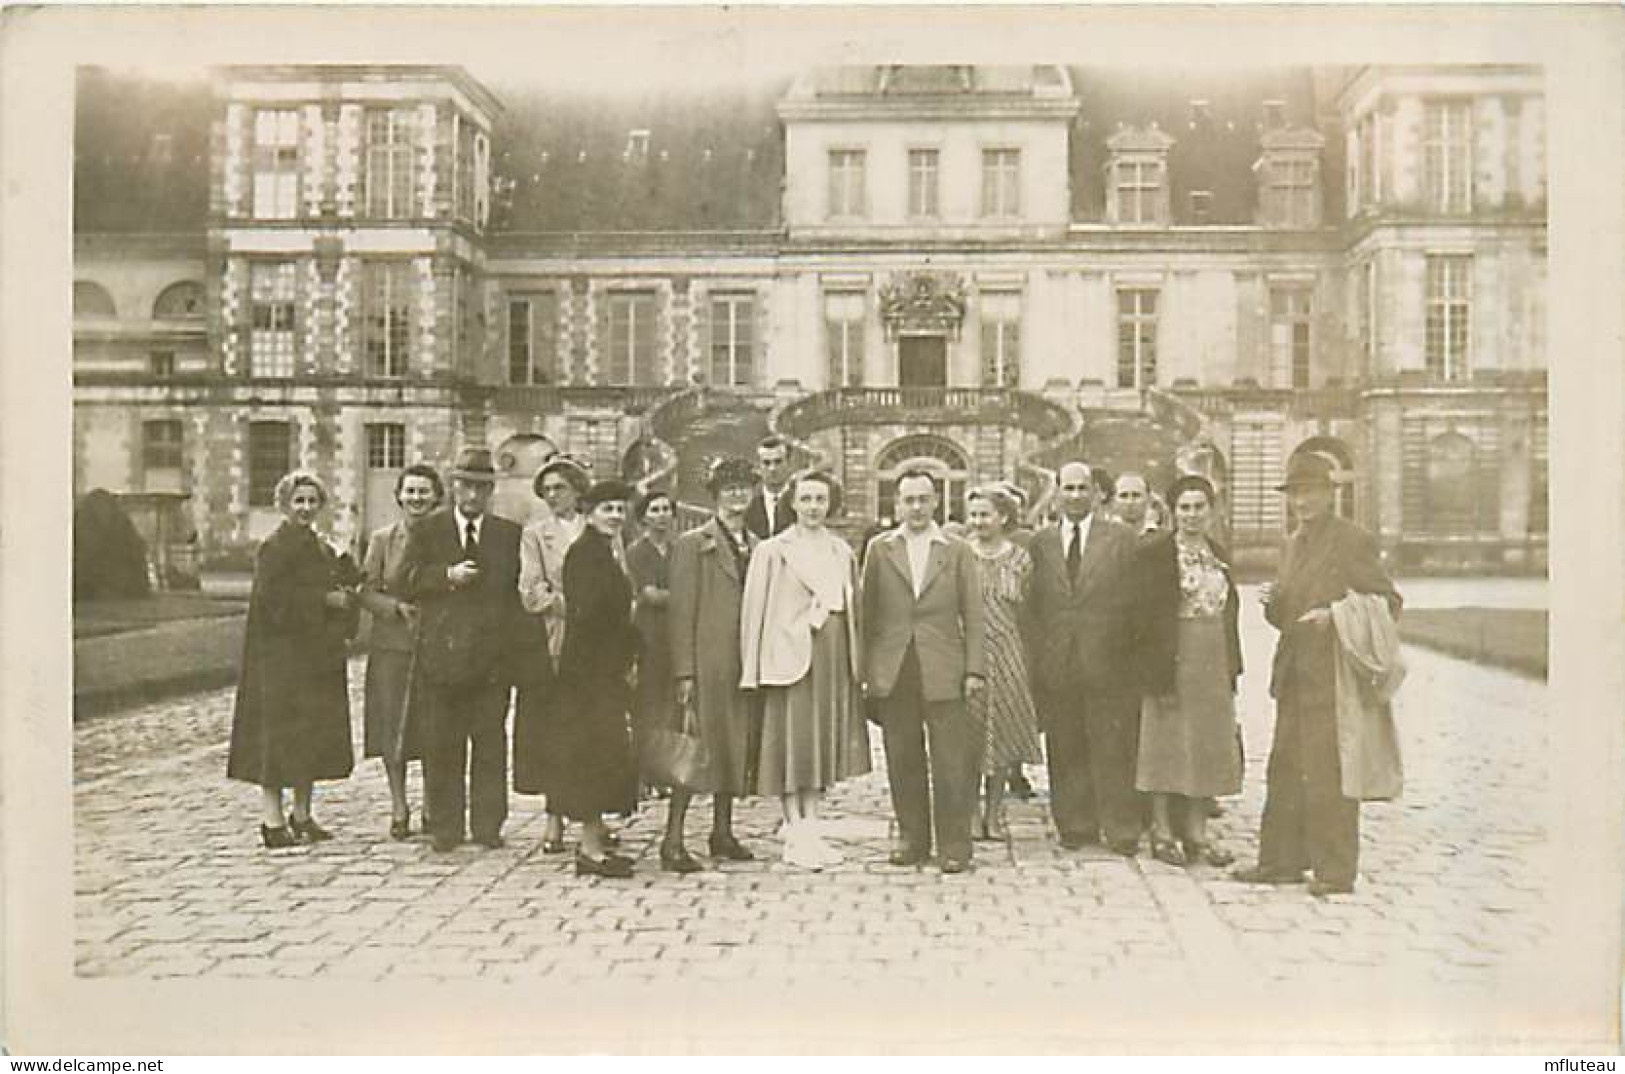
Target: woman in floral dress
[(1010, 721)]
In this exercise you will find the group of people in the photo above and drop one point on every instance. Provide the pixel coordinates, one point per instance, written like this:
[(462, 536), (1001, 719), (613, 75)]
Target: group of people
[(762, 645)]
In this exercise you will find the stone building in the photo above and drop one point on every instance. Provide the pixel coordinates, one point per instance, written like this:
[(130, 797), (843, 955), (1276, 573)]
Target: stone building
[(984, 270)]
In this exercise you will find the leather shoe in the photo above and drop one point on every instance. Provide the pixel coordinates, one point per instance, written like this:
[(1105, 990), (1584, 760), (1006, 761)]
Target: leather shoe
[(444, 844), (954, 865), (553, 846), (611, 867), (903, 858), (400, 828), (680, 861), (727, 848), (494, 841), (277, 838), (1128, 848), (308, 829), (1322, 888), (1258, 875)]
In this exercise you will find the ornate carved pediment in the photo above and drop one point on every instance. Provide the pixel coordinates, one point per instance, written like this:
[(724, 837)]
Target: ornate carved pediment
[(923, 302)]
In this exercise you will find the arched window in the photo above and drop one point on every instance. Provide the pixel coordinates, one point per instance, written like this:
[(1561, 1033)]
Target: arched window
[(1338, 454), (179, 302), (517, 460), (941, 458), (92, 300)]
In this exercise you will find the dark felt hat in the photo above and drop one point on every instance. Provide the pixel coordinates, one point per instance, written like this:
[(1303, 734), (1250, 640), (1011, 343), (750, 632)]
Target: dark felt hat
[(474, 464), (604, 491), (1306, 471)]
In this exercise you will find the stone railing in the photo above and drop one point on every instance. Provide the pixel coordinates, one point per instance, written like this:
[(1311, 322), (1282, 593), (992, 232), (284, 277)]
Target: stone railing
[(813, 413), (553, 398), (1329, 401), (658, 460)]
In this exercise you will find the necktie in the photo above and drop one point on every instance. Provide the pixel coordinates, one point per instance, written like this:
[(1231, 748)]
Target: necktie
[(471, 540), (1074, 552)]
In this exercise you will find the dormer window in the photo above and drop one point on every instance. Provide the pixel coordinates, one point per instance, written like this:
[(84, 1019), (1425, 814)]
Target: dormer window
[(846, 193), (1289, 179), (1201, 206), (637, 146), (1447, 156), (1137, 177), (1274, 114)]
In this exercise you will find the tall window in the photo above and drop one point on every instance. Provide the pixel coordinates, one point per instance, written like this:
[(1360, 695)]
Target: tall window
[(1001, 182), (533, 338), (1001, 339), (272, 287), (1139, 189), (1449, 309), (463, 167), (390, 162), (1368, 311), (733, 337), (843, 333), (1291, 193), (386, 446), (386, 325), (268, 460), (1447, 156), (1370, 192), (846, 194), (1136, 338), (631, 358), (1291, 310), (161, 455), (922, 182), (276, 164)]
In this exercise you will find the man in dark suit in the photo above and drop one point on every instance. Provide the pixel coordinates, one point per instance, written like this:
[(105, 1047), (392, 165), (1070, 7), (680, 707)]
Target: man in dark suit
[(463, 573), (1308, 823), (1077, 626), (767, 515), (923, 642)]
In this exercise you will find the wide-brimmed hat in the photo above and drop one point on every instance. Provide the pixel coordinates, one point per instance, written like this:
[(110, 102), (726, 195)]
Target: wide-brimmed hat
[(474, 464), (1308, 470), (604, 491), (572, 469)]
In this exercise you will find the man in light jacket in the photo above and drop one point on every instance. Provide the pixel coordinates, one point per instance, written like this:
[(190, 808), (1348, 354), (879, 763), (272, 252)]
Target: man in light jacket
[(923, 654)]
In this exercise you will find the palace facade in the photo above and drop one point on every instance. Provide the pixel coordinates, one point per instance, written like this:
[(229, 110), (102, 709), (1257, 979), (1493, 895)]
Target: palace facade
[(984, 270)]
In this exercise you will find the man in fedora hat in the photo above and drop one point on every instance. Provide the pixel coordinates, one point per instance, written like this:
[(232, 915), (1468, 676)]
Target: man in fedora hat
[(463, 572), (1308, 822)]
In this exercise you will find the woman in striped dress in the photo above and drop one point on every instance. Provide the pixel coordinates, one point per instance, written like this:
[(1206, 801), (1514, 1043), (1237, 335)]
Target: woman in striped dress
[(1010, 721)]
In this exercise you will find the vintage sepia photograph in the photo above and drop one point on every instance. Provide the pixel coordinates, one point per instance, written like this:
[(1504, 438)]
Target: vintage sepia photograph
[(1010, 522)]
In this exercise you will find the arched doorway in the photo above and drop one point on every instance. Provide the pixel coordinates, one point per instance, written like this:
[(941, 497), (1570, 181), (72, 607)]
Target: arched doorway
[(1336, 452), (517, 460), (942, 458)]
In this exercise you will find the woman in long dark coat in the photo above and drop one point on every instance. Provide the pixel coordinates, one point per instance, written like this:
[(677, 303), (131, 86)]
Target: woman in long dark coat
[(389, 734), (597, 773), (648, 561), (708, 567), (291, 724)]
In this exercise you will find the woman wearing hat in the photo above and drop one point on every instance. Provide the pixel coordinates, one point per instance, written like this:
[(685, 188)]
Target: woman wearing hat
[(542, 548), (596, 773), (389, 735), (799, 647), (291, 723), (648, 561), (708, 567), (1189, 650)]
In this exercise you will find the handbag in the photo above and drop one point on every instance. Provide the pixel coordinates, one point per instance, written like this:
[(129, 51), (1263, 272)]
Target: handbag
[(675, 757)]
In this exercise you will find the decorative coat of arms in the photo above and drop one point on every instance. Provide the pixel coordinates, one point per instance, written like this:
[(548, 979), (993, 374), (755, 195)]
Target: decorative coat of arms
[(923, 302)]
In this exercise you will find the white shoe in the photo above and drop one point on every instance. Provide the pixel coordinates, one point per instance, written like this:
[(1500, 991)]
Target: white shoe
[(800, 849), (828, 853)]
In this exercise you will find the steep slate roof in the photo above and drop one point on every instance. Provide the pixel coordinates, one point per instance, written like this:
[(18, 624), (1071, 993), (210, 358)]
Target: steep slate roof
[(141, 154), (712, 161), (1215, 145)]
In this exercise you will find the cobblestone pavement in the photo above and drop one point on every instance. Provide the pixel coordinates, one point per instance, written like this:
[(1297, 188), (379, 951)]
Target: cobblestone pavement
[(171, 881)]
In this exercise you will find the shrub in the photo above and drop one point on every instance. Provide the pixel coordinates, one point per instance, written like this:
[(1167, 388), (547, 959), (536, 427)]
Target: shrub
[(109, 556)]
